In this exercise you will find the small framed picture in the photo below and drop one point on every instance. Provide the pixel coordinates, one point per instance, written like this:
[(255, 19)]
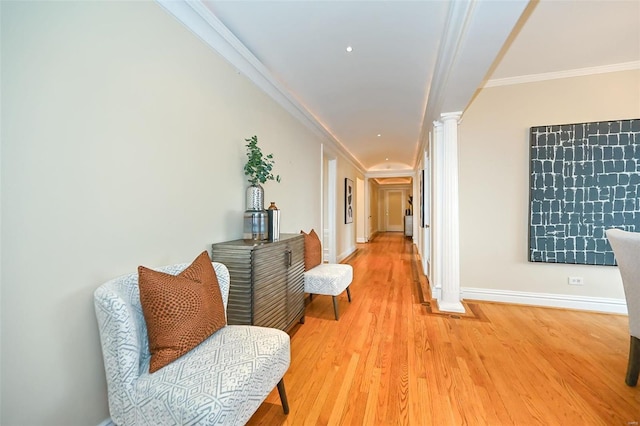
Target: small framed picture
[(348, 200)]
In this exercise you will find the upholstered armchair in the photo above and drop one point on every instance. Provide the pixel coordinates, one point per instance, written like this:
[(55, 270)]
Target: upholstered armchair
[(626, 247), (223, 380)]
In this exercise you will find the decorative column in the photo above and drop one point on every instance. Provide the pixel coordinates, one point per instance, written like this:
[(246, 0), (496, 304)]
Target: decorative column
[(436, 211), (449, 221)]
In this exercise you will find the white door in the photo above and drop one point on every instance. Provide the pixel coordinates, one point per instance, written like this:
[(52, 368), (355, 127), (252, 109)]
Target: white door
[(426, 247), (360, 212), (394, 210)]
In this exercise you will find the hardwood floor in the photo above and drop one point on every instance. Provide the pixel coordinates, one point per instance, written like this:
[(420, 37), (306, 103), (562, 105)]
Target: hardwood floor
[(393, 360)]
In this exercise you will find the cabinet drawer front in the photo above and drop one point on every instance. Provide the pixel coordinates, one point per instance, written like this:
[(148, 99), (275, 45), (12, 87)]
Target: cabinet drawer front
[(240, 303), (270, 264)]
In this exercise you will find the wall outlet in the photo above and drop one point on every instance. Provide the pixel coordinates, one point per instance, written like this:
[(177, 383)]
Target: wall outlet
[(576, 281)]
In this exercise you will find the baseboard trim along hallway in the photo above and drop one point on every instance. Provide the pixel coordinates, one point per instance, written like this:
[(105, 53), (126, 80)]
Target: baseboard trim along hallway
[(585, 303)]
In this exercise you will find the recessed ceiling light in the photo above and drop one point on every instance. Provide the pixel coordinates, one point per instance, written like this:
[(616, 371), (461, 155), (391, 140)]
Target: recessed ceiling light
[(349, 49), (379, 135), (386, 159)]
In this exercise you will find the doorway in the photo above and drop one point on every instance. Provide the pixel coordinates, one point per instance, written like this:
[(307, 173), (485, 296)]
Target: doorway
[(426, 232), (394, 210), (329, 194), (360, 212)]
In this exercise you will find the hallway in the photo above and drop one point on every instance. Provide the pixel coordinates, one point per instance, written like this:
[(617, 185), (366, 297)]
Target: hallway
[(390, 360)]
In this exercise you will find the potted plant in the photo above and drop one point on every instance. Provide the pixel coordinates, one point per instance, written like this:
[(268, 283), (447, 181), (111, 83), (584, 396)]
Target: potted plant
[(259, 170)]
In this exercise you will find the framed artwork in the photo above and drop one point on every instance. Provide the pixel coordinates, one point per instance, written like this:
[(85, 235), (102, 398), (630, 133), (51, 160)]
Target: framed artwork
[(348, 200), (584, 180)]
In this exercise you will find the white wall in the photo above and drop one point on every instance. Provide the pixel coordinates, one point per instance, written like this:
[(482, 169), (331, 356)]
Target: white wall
[(122, 144), (494, 179)]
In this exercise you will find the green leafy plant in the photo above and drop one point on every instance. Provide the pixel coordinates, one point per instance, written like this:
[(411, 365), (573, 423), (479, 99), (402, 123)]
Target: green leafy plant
[(258, 166)]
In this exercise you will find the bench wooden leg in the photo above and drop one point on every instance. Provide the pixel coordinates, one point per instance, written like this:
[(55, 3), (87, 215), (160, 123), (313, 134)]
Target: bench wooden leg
[(283, 396), (633, 368), (349, 294), (335, 308)]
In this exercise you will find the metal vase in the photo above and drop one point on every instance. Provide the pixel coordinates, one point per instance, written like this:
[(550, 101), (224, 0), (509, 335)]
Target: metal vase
[(255, 198), (273, 233), (255, 225)]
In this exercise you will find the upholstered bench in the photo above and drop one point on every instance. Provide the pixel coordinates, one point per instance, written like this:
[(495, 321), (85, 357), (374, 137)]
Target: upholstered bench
[(329, 279)]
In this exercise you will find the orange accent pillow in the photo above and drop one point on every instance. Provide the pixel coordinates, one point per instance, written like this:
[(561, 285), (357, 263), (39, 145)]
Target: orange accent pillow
[(181, 311), (312, 250)]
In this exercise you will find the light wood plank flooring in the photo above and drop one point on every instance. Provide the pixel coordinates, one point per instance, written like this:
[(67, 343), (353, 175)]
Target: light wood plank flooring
[(393, 360)]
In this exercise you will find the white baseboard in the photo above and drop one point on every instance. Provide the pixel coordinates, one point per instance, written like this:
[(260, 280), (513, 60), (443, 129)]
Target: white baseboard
[(361, 240), (598, 304), (346, 254)]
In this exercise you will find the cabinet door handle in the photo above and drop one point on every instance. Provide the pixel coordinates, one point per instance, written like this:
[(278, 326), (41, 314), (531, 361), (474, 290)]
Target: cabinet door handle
[(289, 258)]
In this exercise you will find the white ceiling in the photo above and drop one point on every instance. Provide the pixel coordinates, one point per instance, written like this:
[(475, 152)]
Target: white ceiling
[(411, 60), (378, 88)]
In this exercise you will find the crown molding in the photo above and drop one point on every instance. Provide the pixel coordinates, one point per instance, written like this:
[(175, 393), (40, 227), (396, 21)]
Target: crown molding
[(196, 17), (394, 186), (390, 173), (580, 72)]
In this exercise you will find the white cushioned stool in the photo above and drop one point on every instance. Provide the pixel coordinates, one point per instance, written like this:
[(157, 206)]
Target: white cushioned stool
[(329, 279)]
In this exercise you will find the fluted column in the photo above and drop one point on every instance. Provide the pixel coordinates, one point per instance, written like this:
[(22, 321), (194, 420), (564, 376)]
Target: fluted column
[(436, 210), (449, 221)]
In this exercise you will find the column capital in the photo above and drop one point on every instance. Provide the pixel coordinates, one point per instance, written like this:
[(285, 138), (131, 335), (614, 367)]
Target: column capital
[(446, 116)]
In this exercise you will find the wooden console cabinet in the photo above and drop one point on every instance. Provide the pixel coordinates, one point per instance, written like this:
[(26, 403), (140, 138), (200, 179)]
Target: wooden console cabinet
[(267, 280)]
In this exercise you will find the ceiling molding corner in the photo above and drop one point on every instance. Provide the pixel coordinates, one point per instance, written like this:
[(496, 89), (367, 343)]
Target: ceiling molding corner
[(457, 21), (456, 50)]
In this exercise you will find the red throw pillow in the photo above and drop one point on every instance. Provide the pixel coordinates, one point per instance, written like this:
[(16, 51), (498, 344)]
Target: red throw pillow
[(312, 250), (181, 311)]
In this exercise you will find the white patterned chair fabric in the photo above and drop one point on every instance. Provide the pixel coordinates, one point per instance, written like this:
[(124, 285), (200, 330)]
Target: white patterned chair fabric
[(626, 248), (221, 381), (329, 279)]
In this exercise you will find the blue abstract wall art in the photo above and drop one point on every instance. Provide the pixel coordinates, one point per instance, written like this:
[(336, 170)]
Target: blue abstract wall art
[(585, 178)]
